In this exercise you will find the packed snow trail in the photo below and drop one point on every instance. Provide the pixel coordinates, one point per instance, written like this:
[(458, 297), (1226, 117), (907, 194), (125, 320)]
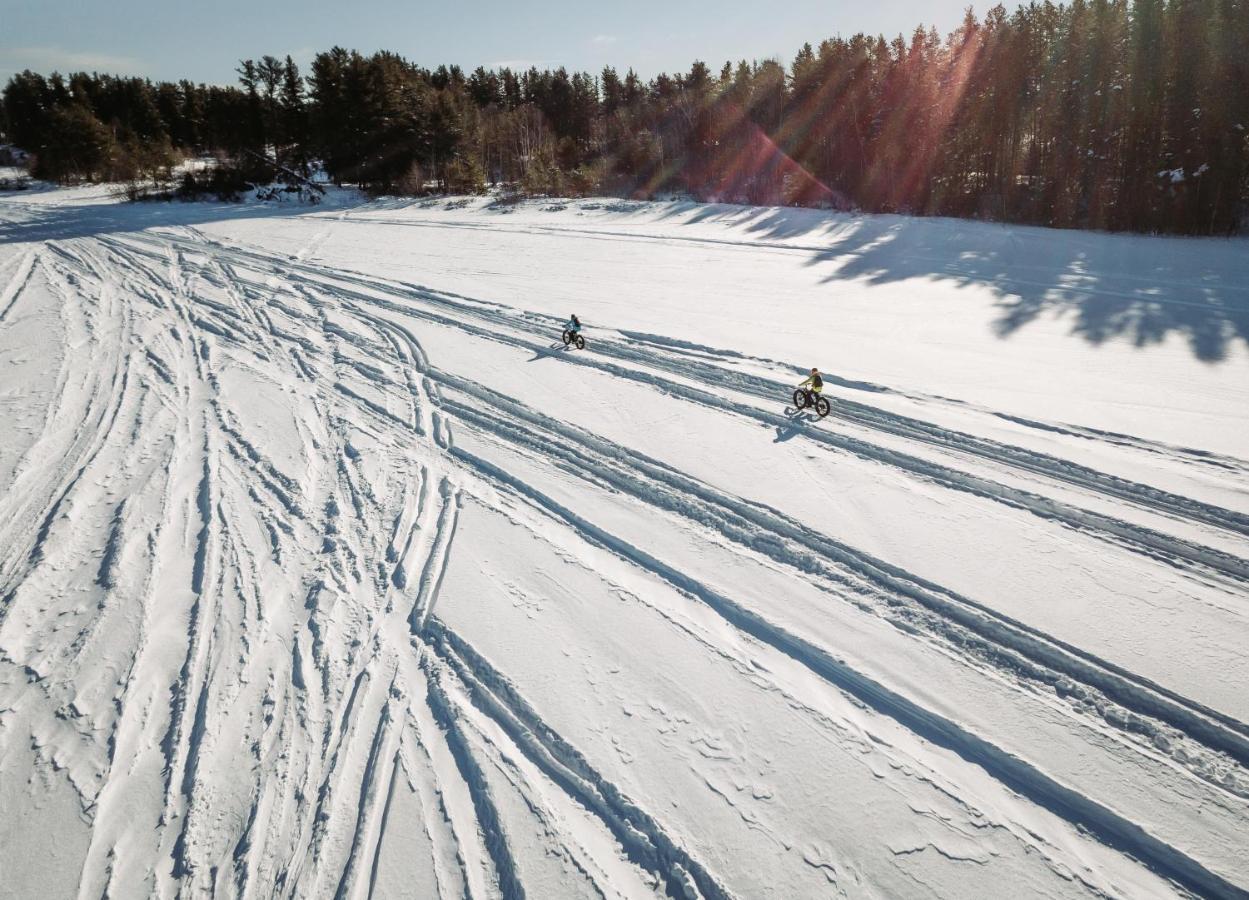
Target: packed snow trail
[(318, 583)]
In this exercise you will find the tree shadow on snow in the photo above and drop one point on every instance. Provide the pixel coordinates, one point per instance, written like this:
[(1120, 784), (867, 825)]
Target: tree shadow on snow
[(1106, 286)]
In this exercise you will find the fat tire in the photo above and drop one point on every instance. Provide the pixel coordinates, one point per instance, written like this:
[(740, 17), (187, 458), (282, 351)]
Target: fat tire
[(800, 399), (821, 406)]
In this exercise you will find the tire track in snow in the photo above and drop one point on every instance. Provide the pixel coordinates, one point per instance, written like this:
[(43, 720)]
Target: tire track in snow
[(1141, 538), (1209, 744), (361, 841), (1019, 648), (437, 554), (955, 479), (772, 390), (1017, 774), (438, 818), (182, 866), (347, 746), (1160, 545), (1043, 658), (368, 827), (923, 432), (236, 477), (21, 275), (1112, 828), (645, 842), (96, 404), (714, 355), (183, 745), (470, 771)]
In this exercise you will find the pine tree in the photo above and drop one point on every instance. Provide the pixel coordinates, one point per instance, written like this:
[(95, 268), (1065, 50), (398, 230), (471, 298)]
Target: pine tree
[(292, 117), (75, 145), (1102, 113)]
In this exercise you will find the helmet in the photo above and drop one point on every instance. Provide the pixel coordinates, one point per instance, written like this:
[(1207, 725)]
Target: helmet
[(814, 370)]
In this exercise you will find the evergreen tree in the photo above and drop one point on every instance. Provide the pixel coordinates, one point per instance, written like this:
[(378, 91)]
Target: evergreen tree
[(75, 145), (1095, 113), (293, 117)]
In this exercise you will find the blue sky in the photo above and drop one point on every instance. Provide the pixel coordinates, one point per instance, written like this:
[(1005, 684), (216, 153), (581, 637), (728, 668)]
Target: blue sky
[(203, 40)]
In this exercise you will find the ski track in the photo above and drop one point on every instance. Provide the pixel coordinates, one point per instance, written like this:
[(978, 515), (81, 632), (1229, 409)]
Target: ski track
[(279, 735)]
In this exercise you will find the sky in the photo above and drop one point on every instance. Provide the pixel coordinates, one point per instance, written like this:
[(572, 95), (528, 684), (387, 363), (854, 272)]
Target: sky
[(203, 41)]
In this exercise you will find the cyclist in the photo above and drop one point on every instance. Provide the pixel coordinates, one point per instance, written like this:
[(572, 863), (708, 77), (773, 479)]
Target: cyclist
[(816, 383)]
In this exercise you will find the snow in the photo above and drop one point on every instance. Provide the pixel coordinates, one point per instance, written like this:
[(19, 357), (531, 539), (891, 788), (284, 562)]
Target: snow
[(326, 570)]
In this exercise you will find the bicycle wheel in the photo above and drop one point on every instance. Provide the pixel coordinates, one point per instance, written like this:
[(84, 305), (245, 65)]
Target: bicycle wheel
[(579, 341), (821, 406), (567, 336), (800, 399)]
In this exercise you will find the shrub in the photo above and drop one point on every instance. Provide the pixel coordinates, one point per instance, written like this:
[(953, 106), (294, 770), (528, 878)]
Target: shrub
[(225, 181), (587, 180), (464, 176), (542, 177)]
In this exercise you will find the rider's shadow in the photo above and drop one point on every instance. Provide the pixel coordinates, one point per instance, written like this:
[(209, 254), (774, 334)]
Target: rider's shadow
[(548, 351), (796, 423)]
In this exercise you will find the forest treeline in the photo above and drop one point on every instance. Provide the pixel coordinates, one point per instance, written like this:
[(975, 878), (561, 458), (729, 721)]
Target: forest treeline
[(1098, 113)]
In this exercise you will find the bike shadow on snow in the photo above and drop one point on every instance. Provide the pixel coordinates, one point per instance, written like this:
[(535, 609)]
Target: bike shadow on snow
[(797, 421), (549, 351)]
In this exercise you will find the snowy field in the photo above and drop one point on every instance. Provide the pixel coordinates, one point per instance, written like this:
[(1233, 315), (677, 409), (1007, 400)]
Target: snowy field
[(326, 571)]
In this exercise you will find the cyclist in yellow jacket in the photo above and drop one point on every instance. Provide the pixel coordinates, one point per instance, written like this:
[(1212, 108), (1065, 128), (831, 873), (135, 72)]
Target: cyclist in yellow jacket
[(814, 380), (809, 393)]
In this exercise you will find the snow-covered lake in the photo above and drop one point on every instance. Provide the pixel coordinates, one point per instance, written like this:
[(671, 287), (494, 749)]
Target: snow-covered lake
[(327, 570)]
